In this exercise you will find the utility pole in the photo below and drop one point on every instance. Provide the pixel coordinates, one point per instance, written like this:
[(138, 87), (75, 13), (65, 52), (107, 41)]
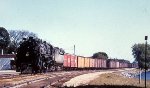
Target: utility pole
[(74, 50), (139, 75), (138, 57), (146, 37)]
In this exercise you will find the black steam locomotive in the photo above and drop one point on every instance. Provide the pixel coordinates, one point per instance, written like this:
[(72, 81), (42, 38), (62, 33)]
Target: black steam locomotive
[(37, 56)]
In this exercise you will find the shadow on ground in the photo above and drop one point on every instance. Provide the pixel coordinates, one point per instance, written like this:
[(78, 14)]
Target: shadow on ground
[(104, 86)]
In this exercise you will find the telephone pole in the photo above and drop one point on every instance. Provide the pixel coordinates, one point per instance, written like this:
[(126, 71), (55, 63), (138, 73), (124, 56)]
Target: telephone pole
[(146, 37), (74, 50)]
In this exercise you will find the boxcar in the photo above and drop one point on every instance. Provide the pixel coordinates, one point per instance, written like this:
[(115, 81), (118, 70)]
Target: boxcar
[(80, 62), (72, 61), (65, 63), (104, 63), (87, 62), (95, 63)]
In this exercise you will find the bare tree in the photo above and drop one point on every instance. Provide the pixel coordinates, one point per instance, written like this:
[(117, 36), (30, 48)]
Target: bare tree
[(16, 37)]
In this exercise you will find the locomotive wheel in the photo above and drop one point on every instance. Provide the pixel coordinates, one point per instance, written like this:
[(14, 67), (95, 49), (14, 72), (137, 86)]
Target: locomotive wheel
[(17, 69), (39, 64), (35, 69), (52, 68), (43, 67), (22, 68)]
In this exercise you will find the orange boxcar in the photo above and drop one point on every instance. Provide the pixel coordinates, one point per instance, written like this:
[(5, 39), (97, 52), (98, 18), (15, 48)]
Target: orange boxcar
[(91, 62), (80, 62), (86, 62)]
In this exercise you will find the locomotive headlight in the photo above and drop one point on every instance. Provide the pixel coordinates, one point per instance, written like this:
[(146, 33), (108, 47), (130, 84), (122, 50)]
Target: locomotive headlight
[(27, 54)]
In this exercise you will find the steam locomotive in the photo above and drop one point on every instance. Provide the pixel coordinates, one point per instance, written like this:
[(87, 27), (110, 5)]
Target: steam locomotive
[(38, 56)]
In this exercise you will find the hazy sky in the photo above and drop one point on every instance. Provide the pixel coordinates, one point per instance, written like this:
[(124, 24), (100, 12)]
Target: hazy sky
[(111, 26)]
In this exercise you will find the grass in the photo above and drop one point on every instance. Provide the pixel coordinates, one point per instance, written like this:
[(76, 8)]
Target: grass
[(117, 81)]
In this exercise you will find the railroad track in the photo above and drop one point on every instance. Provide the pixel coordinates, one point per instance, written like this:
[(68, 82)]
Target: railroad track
[(50, 79)]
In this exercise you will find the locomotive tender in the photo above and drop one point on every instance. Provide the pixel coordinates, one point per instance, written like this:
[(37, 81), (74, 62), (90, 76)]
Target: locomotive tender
[(38, 56)]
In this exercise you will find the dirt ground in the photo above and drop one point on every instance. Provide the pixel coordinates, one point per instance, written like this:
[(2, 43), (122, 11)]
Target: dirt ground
[(111, 79)]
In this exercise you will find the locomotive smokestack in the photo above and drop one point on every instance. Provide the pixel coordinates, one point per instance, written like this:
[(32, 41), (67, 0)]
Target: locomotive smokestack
[(24, 39), (30, 37)]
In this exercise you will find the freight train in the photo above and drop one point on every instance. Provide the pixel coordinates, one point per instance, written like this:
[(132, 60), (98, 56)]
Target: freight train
[(39, 56)]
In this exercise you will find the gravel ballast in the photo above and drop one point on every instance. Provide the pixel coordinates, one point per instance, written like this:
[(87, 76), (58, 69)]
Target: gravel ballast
[(83, 79)]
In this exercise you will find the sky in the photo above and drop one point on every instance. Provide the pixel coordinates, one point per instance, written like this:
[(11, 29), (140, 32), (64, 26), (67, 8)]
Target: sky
[(111, 26)]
